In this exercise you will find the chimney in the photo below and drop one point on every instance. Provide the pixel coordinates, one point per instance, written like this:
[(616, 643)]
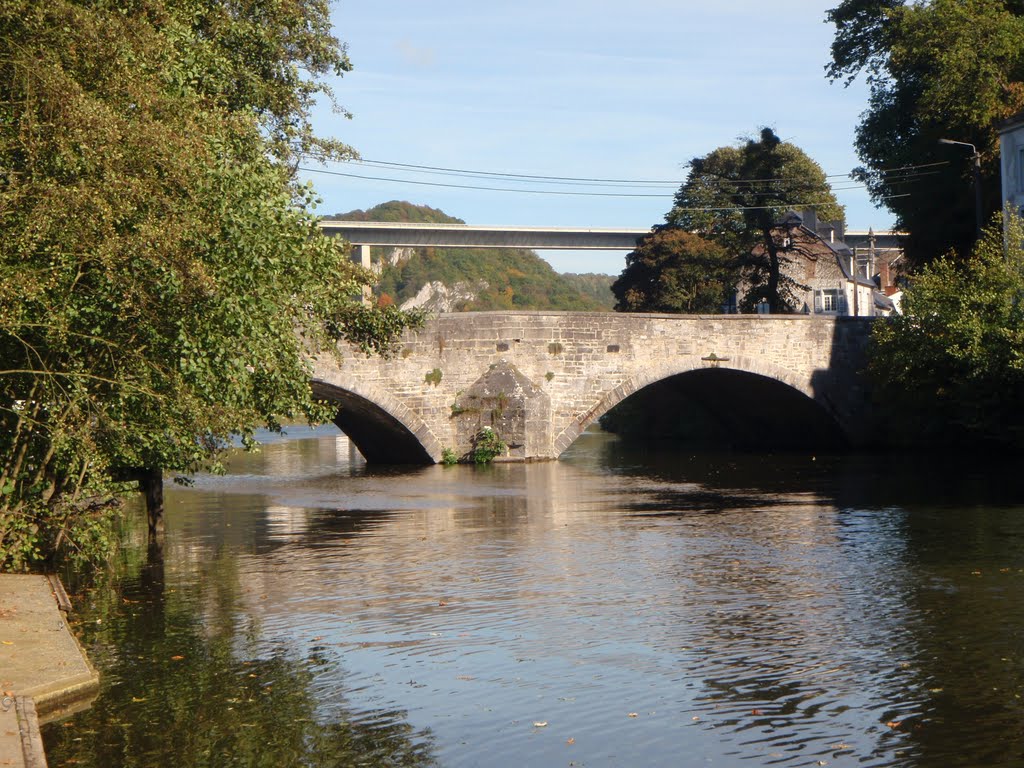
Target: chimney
[(810, 219), (883, 274)]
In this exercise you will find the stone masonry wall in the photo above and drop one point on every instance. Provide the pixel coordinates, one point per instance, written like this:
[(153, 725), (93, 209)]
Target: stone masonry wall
[(585, 363)]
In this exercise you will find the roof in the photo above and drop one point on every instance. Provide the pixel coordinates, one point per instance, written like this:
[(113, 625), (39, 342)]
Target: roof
[(1013, 121)]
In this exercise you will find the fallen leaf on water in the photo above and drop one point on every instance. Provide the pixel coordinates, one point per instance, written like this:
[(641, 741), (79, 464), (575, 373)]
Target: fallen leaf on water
[(177, 658), (465, 677), (442, 602), (540, 724), (570, 740), (756, 712), (894, 724), (8, 642), (137, 700), (633, 714)]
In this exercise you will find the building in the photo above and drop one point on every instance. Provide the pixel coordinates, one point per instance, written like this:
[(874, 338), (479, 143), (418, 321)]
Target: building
[(827, 276), (1011, 152)]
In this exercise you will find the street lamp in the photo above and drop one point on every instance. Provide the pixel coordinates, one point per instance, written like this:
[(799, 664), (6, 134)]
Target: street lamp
[(976, 170)]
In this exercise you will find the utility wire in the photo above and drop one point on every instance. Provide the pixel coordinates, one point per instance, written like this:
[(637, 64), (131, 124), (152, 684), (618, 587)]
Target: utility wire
[(549, 191), (482, 189), (588, 180), (584, 194)]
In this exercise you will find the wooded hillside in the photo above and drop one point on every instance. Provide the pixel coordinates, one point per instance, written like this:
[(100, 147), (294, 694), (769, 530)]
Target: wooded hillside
[(505, 278)]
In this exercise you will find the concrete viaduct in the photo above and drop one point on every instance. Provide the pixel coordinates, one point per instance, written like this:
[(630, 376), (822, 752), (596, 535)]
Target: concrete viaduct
[(540, 378)]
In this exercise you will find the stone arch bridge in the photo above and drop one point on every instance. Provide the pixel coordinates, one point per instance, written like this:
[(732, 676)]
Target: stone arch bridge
[(540, 378)]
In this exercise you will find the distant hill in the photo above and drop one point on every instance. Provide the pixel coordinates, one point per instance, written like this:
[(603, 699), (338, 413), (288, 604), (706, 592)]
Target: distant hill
[(465, 279), (398, 210)]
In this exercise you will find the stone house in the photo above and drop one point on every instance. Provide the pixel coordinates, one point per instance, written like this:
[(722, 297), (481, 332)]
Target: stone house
[(829, 277)]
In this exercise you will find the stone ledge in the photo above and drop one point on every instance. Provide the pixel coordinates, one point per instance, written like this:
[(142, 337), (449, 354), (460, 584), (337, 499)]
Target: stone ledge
[(39, 655)]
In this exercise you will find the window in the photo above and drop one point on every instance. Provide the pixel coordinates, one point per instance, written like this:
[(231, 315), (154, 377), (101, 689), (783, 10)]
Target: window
[(826, 301)]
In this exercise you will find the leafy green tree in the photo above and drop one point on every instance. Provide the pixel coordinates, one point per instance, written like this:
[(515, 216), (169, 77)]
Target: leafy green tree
[(737, 195), (162, 279), (672, 270), (950, 69), (949, 371)]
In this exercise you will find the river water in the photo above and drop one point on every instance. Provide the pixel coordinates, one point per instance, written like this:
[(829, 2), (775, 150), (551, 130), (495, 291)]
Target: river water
[(621, 607)]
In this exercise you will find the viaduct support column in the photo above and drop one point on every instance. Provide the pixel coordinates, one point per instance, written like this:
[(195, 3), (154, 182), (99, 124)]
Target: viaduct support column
[(361, 255)]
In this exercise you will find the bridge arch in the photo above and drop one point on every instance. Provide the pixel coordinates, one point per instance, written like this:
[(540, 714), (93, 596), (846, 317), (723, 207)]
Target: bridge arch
[(746, 391), (383, 429)]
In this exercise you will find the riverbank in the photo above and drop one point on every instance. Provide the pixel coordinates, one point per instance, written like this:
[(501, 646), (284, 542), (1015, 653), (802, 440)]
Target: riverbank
[(44, 672)]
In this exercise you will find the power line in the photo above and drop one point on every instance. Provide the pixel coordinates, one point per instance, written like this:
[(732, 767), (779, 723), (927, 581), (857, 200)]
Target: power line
[(526, 176), (482, 189), (584, 194), (536, 180), (592, 180), (561, 192)]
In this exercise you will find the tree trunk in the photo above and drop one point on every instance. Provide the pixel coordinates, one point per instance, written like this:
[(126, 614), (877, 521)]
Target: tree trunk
[(151, 483), (773, 272)]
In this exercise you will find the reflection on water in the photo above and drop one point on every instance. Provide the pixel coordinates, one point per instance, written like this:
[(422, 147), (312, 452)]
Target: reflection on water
[(620, 607)]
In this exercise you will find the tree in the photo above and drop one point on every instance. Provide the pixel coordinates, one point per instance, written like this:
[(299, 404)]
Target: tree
[(162, 279), (950, 69), (737, 195), (949, 371), (672, 270)]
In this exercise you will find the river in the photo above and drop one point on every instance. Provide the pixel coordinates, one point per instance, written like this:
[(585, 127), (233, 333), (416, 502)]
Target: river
[(621, 607)]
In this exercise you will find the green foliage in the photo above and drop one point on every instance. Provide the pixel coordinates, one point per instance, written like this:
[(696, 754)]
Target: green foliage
[(449, 457), (433, 377), (398, 210), (949, 371), (162, 277), (512, 278), (672, 270), (734, 197), (375, 330), (949, 69), (595, 285), (487, 446)]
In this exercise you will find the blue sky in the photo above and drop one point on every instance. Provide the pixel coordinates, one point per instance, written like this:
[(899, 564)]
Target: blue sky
[(624, 90)]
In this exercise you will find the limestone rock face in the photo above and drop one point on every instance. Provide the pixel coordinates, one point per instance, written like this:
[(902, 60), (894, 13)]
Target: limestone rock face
[(438, 297)]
